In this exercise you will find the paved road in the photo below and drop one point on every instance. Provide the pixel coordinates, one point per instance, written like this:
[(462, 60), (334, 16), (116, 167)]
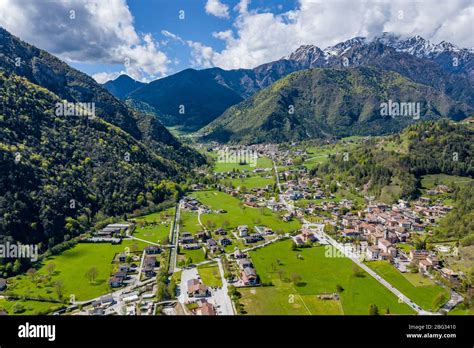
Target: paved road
[(174, 231), (224, 299)]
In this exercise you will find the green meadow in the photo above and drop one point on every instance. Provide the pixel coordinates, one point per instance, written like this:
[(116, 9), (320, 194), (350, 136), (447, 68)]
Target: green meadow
[(210, 275), (70, 269), (421, 290), (279, 265), (238, 214)]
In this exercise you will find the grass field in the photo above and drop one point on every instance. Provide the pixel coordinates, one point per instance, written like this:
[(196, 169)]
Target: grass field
[(71, 266), (196, 255), (459, 310), (240, 215), (153, 233), (283, 298), (29, 307), (421, 290), (262, 162), (189, 222), (319, 274), (166, 215), (210, 275), (405, 247), (429, 181), (253, 182)]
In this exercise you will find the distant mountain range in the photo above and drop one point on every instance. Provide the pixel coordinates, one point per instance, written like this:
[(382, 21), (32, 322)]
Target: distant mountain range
[(207, 93), (319, 103), (123, 85), (60, 173)]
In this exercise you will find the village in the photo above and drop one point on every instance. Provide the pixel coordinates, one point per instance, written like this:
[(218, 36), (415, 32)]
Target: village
[(207, 243)]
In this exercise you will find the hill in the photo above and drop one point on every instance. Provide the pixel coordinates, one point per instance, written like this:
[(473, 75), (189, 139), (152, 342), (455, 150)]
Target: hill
[(391, 167), (122, 86), (62, 172), (318, 102), (191, 98)]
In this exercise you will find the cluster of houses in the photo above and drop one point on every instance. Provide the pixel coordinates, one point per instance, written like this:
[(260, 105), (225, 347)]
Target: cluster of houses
[(306, 236), (150, 262), (247, 272), (198, 291), (192, 204), (426, 261), (125, 269), (383, 226), (302, 188), (250, 238), (112, 233), (99, 306), (188, 241)]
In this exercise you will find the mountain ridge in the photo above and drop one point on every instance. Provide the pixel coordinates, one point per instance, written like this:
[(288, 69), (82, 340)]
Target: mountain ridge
[(339, 102), (429, 66)]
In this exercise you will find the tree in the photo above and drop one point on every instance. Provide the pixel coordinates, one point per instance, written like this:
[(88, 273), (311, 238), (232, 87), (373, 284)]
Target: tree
[(373, 310), (439, 300), (92, 274), (59, 288), (18, 308), (225, 224), (296, 279), (16, 266), (161, 291), (339, 288), (32, 274), (357, 272), (172, 288), (50, 267), (293, 246)]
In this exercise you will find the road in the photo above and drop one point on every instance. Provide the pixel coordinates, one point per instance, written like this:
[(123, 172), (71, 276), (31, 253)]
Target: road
[(174, 233), (322, 235), (224, 300)]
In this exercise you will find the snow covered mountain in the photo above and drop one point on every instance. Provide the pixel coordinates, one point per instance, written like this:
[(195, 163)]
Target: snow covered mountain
[(450, 57)]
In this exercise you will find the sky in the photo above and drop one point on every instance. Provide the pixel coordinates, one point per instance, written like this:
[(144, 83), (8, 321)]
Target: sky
[(150, 39)]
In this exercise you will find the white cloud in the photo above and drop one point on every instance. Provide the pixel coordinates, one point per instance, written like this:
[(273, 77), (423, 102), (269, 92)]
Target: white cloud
[(202, 56), (93, 31), (103, 77), (172, 36), (260, 37), (217, 8)]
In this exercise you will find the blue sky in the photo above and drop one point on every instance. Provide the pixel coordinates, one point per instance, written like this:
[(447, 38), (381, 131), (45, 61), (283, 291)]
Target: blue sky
[(155, 16), (147, 40)]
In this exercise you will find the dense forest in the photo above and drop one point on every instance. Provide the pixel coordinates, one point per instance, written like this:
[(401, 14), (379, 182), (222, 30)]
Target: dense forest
[(60, 174), (398, 161), (459, 223)]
